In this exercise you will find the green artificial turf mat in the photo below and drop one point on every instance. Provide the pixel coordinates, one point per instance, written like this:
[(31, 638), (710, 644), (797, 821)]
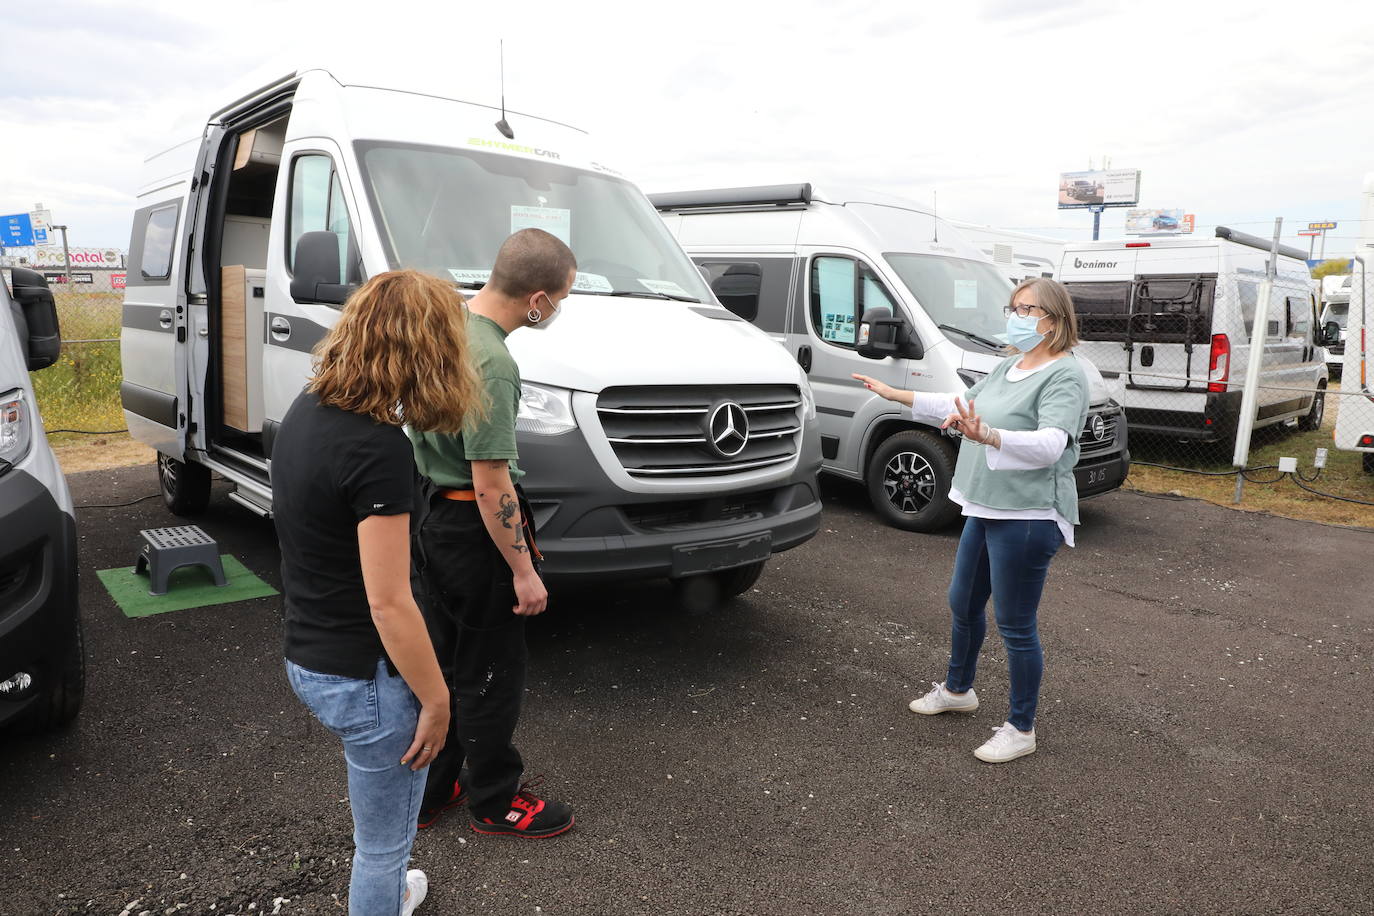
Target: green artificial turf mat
[(188, 587)]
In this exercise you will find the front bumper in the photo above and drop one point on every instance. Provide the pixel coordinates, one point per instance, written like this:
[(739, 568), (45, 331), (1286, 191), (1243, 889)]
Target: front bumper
[(38, 588), (591, 530)]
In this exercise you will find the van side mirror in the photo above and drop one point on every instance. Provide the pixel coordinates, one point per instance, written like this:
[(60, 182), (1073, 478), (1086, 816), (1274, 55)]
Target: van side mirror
[(1331, 334), (882, 334), (316, 270), (36, 312)]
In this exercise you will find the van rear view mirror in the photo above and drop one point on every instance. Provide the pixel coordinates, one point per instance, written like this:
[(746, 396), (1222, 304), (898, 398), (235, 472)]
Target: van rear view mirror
[(38, 312), (316, 270), (882, 334), (1331, 334)]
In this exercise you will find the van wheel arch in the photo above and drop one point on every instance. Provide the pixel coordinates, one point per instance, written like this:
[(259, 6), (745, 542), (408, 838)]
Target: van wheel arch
[(1313, 418)]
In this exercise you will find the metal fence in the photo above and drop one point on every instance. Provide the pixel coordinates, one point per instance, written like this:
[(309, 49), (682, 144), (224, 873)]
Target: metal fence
[(1224, 373), (80, 391)]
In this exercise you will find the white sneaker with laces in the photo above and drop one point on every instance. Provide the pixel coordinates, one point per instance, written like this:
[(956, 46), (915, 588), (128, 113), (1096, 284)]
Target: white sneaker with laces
[(1007, 743), (941, 700), (417, 886)]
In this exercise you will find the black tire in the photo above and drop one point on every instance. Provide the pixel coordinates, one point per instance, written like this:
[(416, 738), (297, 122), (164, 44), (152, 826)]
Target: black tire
[(1367, 462), (185, 486), (62, 696), (1313, 419), (908, 479), (739, 580)]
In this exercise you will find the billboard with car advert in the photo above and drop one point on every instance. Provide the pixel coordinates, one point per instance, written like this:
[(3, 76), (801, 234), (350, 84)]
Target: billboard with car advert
[(1141, 221), (1101, 188)]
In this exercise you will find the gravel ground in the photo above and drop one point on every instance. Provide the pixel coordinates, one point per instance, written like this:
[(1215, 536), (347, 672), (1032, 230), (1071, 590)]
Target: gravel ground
[(1205, 740)]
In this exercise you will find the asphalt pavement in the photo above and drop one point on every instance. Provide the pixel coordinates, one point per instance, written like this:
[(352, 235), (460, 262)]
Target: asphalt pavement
[(1205, 739)]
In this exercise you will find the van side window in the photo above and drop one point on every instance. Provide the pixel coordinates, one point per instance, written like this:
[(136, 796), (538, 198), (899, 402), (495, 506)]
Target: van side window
[(158, 238), (755, 289), (842, 289), (1299, 317), (317, 204)]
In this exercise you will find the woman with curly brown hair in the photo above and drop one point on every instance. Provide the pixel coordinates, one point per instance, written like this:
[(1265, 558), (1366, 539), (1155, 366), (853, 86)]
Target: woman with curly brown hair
[(343, 489)]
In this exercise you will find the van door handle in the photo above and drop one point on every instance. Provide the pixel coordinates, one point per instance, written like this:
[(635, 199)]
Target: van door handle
[(804, 358), (281, 328), (164, 318)]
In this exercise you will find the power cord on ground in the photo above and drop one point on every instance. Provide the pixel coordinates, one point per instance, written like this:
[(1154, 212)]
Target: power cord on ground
[(118, 505), (90, 432)]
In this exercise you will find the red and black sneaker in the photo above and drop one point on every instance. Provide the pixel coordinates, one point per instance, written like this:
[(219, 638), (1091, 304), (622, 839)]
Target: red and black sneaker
[(529, 816), (429, 815)]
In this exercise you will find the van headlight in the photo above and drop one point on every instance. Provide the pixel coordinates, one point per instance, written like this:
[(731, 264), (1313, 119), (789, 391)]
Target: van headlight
[(16, 429), (808, 399), (545, 411)]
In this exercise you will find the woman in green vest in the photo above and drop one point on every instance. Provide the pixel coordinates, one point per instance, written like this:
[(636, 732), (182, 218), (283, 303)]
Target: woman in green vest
[(1014, 480)]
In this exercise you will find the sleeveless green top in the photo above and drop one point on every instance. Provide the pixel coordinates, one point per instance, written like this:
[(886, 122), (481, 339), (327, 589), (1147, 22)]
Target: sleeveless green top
[(1055, 396)]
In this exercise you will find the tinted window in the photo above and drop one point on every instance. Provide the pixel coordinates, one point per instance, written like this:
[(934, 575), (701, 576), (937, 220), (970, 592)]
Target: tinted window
[(158, 239), (754, 289)]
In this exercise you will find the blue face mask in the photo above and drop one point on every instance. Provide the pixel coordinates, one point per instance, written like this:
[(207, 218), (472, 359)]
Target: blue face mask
[(1021, 332)]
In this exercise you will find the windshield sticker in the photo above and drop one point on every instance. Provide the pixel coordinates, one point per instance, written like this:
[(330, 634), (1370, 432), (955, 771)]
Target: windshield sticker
[(665, 287), (591, 283), (966, 294), (553, 220), (513, 147), (469, 276)]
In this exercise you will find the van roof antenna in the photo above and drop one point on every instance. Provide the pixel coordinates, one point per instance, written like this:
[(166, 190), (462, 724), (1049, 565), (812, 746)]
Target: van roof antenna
[(935, 216), (501, 125)]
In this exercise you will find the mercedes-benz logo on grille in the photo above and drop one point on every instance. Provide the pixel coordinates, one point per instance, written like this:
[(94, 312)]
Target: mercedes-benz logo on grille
[(1098, 426), (727, 429)]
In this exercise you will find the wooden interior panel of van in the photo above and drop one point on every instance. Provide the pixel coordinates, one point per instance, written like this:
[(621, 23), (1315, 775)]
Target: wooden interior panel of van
[(233, 293)]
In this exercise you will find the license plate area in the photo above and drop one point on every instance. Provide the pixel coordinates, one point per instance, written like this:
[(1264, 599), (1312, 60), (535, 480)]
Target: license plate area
[(714, 556)]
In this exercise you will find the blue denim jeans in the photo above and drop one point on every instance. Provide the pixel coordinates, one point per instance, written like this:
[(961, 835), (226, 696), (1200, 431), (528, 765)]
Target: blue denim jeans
[(1007, 559), (376, 721)]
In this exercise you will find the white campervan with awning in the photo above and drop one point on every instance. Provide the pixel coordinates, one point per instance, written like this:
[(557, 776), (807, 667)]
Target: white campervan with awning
[(248, 239)]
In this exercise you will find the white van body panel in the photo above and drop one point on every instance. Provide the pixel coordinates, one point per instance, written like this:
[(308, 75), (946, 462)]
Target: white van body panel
[(1170, 395), (1356, 416), (39, 461)]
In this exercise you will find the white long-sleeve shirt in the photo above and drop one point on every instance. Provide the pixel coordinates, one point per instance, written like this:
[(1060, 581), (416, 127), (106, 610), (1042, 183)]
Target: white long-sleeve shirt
[(1022, 450)]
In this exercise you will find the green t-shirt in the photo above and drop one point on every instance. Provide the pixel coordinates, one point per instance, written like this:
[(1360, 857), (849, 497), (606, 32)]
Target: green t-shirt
[(1055, 396), (446, 458)]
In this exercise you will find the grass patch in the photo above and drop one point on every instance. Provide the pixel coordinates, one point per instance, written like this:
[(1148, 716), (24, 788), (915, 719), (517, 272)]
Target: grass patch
[(81, 390), (1343, 475)]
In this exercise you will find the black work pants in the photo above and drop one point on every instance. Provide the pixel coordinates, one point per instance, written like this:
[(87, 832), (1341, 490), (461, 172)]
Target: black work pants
[(467, 593)]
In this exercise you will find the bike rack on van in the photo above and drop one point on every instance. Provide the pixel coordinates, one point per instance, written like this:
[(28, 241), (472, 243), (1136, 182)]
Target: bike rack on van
[(1187, 309)]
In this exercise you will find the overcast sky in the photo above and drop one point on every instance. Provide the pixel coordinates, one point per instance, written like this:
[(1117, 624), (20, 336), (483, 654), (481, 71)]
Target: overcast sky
[(1235, 111)]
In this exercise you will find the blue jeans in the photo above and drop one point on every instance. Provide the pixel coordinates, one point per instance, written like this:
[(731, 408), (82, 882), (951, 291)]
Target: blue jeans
[(376, 721), (1007, 559)]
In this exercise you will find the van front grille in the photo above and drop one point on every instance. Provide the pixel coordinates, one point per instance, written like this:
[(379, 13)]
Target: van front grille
[(1088, 441), (701, 430)]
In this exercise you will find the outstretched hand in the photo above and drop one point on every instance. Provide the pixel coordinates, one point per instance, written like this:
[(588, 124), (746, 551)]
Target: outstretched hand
[(968, 423), (881, 389)]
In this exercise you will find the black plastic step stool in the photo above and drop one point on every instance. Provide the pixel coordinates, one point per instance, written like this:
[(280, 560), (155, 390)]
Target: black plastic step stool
[(166, 549)]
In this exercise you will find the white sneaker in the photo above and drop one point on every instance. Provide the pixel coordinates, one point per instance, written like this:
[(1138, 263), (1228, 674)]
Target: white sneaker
[(417, 886), (1006, 743), (941, 700)]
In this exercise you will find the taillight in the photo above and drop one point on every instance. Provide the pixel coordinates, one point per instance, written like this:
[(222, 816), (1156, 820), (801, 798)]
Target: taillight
[(1137, 244), (1219, 364), (1366, 441)]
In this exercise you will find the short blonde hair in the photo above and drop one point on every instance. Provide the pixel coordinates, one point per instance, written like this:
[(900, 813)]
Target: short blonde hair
[(1054, 299), (399, 354)]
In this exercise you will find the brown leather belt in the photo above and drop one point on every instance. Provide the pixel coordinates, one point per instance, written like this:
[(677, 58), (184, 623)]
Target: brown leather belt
[(466, 496)]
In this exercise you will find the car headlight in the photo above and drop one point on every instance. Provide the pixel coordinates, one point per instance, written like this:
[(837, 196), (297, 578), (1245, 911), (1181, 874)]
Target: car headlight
[(16, 429), (808, 399), (545, 411)]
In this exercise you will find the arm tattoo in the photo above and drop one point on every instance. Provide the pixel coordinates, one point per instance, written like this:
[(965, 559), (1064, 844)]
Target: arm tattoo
[(507, 510), (505, 513)]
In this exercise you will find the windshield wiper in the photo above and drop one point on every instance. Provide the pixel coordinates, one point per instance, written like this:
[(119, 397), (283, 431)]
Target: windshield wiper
[(976, 338), (645, 294)]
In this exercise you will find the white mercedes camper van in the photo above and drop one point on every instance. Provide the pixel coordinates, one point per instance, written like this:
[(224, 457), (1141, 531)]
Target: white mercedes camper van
[(662, 435), (852, 281), (1335, 307), (1172, 318), (42, 669)]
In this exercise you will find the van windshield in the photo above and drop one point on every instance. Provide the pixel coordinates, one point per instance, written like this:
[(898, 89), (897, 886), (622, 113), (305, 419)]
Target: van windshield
[(446, 211), (1338, 312), (957, 292)]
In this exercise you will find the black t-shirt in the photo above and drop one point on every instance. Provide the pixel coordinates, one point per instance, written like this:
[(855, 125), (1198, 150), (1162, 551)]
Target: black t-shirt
[(330, 470)]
